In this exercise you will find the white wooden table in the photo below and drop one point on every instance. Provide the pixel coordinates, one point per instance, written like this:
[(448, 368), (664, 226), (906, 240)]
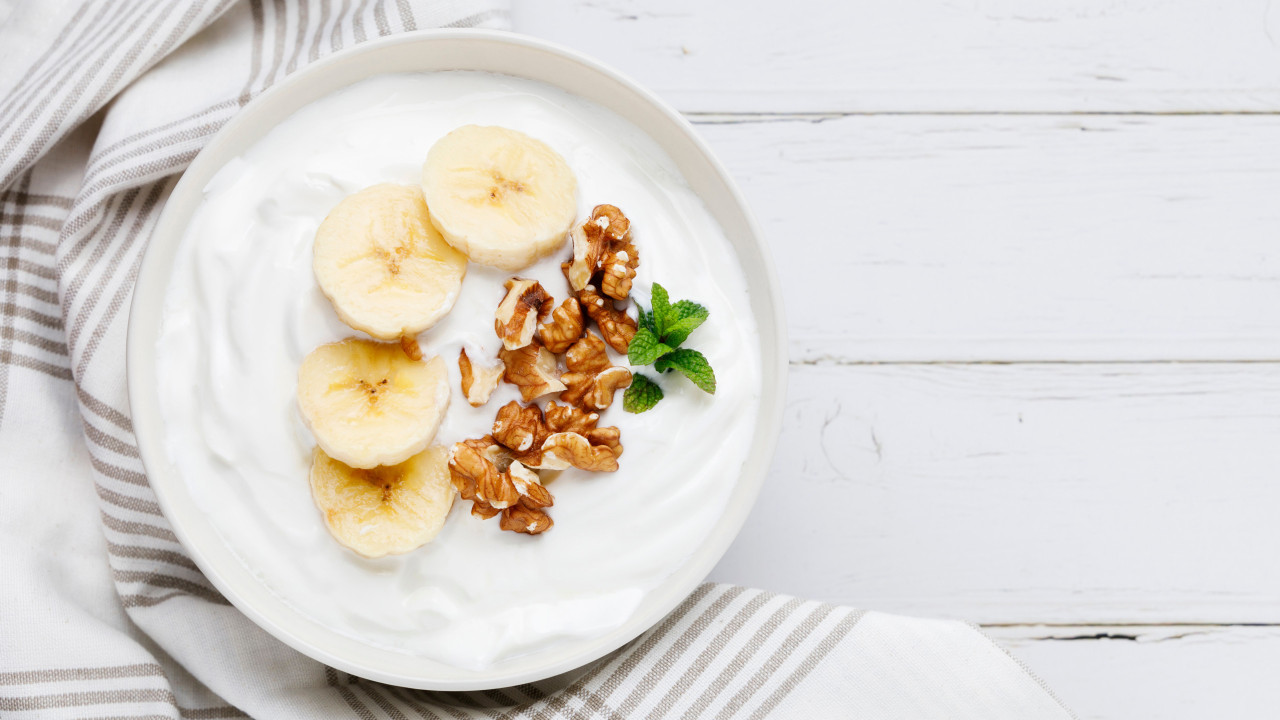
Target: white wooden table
[(1031, 257)]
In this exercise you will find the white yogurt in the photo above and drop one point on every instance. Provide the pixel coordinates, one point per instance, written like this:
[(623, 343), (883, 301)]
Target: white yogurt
[(243, 308)]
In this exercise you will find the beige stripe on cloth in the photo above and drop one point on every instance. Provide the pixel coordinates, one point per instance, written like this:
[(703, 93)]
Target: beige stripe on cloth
[(102, 612)]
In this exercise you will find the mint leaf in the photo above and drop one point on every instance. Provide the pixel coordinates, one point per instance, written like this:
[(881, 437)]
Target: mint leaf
[(661, 309), (684, 317), (642, 395), (692, 364), (645, 347), (687, 309), (645, 319)]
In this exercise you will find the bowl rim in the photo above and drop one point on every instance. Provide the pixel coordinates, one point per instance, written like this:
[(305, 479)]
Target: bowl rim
[(143, 392)]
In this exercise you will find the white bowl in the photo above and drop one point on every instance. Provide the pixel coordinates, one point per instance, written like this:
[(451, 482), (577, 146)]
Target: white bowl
[(489, 51)]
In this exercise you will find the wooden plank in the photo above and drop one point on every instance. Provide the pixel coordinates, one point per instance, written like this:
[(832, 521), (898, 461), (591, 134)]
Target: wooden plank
[(1090, 238), (1093, 494), (1154, 672), (930, 56)]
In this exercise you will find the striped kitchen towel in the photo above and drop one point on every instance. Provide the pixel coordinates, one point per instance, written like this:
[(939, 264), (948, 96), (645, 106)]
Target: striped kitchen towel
[(102, 613)]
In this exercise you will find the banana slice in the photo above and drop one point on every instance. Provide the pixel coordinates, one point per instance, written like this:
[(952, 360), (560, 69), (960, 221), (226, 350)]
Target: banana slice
[(384, 510), (384, 266), (368, 404), (500, 196)]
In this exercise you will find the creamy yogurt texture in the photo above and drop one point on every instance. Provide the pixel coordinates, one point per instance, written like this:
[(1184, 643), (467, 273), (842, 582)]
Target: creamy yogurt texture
[(243, 309)]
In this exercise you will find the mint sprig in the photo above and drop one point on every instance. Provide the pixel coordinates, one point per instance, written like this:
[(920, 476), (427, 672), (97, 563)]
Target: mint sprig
[(660, 332)]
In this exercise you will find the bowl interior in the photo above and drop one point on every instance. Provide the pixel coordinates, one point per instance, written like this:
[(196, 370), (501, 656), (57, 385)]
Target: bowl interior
[(416, 52)]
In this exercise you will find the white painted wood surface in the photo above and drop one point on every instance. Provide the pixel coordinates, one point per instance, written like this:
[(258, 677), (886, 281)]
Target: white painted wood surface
[(1025, 493), (1154, 672), (931, 55), (1031, 253), (930, 238)]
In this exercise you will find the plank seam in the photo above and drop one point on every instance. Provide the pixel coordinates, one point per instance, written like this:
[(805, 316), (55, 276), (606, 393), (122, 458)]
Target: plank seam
[(1101, 624), (703, 117), (847, 362)]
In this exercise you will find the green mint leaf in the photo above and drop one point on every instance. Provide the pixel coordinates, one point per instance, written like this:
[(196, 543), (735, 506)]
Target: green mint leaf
[(642, 395), (692, 364), (661, 309), (684, 318), (645, 348), (645, 319), (688, 309)]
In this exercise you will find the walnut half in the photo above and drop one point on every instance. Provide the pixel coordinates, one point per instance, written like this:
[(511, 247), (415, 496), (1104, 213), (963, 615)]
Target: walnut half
[(525, 304), (592, 379), (521, 428), (618, 269), (533, 369), (602, 246), (563, 450), (564, 328), (616, 325)]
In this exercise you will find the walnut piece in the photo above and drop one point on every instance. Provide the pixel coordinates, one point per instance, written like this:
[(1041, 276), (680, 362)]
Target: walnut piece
[(567, 418), (604, 234), (517, 317), (565, 327), (527, 516), (610, 437), (478, 382), (587, 251), (520, 428), (619, 269), (562, 450), (468, 465), (524, 519), (612, 223), (533, 369), (592, 379), (529, 486), (473, 473), (410, 346), (616, 325)]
